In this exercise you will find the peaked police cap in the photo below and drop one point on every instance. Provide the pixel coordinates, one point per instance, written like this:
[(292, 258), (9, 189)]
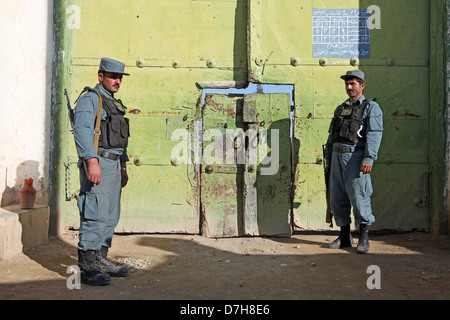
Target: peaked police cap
[(113, 66), (353, 74)]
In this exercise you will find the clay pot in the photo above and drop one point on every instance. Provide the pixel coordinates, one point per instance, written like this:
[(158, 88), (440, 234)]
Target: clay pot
[(27, 195)]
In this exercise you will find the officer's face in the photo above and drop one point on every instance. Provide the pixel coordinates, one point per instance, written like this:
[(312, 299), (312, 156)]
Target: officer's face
[(354, 89), (110, 81)]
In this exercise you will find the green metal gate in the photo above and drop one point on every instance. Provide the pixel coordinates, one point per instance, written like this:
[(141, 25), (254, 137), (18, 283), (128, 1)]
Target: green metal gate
[(171, 46)]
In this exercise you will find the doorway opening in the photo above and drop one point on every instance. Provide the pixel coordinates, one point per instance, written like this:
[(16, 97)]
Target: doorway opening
[(244, 198)]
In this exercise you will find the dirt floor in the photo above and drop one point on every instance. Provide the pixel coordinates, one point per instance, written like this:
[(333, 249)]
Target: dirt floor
[(413, 265)]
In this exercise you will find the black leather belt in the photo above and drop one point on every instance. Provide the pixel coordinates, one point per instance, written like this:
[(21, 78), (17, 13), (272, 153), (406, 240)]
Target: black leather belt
[(108, 155), (346, 149)]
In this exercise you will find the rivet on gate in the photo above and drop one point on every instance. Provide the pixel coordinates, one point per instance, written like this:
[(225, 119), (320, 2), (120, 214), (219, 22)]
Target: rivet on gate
[(140, 62), (354, 61), (295, 61), (323, 62), (251, 168), (211, 63), (259, 61), (418, 201), (176, 64), (388, 159), (175, 161), (137, 162), (390, 62), (209, 169)]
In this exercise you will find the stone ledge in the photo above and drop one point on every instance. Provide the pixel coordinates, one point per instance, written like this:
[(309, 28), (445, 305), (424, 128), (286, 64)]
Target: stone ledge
[(22, 229)]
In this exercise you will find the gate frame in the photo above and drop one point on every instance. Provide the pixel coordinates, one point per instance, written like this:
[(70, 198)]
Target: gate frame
[(439, 106)]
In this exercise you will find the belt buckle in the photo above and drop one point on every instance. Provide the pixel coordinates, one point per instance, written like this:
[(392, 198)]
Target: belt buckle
[(108, 155), (347, 150)]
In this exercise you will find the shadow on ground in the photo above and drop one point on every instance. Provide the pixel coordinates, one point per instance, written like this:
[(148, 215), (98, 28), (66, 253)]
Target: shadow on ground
[(412, 266)]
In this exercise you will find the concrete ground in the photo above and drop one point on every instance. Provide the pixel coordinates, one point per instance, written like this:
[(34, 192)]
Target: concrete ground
[(406, 266)]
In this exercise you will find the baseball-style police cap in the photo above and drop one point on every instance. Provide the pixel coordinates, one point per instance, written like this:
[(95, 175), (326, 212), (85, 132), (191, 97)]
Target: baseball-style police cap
[(353, 74), (113, 66)]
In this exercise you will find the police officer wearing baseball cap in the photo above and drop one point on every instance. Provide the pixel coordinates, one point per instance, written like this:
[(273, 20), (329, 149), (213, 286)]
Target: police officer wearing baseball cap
[(354, 139), (102, 172)]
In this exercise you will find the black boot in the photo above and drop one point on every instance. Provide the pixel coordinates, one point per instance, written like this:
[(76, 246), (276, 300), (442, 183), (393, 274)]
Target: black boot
[(344, 240), (91, 273), (363, 242), (109, 267)]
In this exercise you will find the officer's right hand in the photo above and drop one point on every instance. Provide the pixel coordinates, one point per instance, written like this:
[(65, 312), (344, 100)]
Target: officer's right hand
[(94, 171), (366, 168)]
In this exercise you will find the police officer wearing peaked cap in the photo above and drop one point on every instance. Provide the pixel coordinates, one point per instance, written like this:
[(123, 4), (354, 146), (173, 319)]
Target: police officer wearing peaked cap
[(102, 173), (354, 139)]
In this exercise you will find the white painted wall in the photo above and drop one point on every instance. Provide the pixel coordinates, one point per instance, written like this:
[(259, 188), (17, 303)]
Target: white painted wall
[(26, 30)]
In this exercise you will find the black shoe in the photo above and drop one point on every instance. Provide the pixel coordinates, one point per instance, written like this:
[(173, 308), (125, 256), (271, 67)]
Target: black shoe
[(363, 242), (107, 266), (94, 278), (89, 270), (344, 240)]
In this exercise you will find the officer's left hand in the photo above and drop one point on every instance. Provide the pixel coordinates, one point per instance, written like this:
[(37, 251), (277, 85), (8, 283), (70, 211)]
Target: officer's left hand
[(124, 178), (366, 168)]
